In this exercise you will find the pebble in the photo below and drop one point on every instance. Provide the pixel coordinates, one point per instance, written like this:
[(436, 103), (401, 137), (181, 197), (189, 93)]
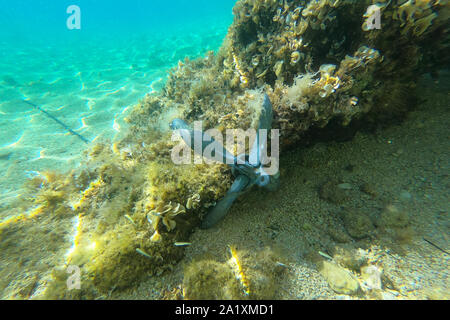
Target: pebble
[(372, 277), (405, 195), (339, 279), (345, 186)]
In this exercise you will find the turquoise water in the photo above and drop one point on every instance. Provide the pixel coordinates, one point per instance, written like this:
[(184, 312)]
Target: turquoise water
[(87, 78)]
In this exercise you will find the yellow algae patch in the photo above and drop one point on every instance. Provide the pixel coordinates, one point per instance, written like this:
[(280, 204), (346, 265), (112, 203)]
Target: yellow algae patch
[(156, 237), (115, 148), (90, 192), (35, 212), (22, 217), (12, 220), (239, 271), (243, 75), (82, 246)]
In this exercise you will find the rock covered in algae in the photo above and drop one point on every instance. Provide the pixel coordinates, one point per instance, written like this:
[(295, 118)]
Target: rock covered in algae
[(357, 223), (396, 223), (246, 275), (210, 280), (350, 258), (393, 217)]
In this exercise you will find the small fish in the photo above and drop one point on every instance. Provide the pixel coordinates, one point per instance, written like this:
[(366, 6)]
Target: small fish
[(325, 255), (278, 263), (32, 174), (130, 219), (5, 156), (145, 254), (182, 244)]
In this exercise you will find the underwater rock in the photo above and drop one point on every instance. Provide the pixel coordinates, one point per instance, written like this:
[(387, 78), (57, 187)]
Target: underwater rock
[(339, 279), (352, 259), (210, 280), (396, 223), (393, 217), (357, 223), (371, 276), (246, 275)]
